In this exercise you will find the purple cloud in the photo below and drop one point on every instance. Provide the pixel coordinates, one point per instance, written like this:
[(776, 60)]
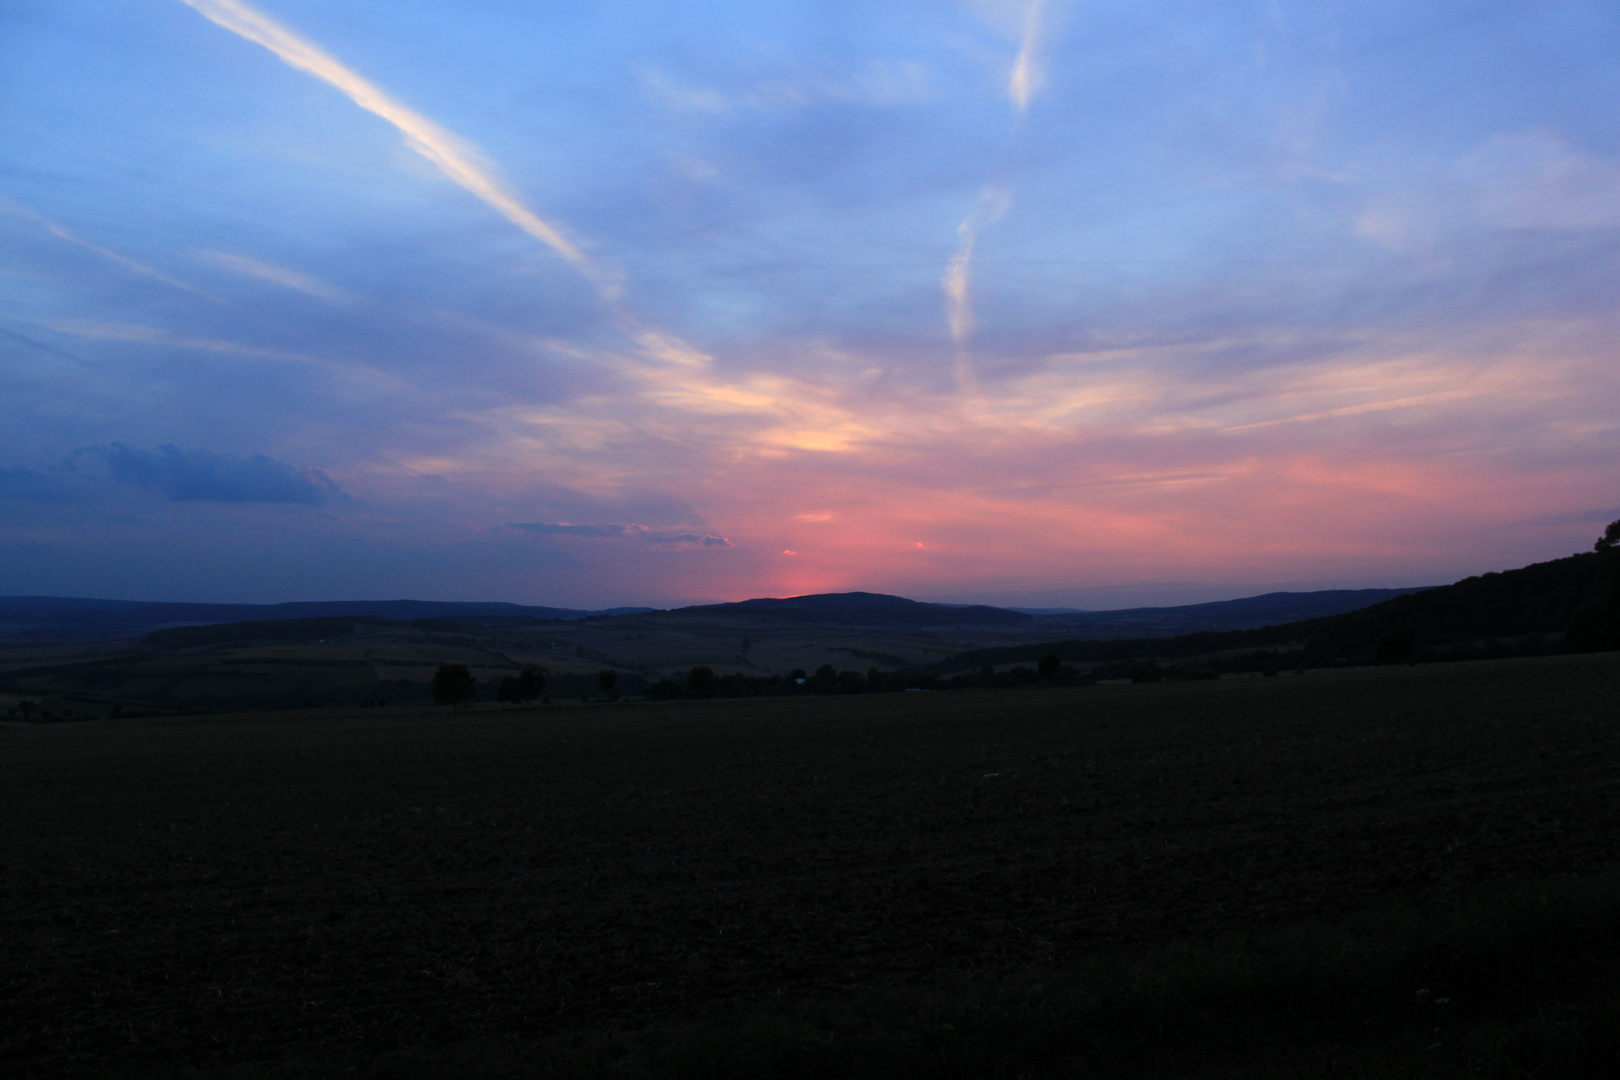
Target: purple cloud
[(204, 476)]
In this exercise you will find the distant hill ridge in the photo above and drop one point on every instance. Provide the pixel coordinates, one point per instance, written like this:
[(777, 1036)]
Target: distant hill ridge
[(868, 609), (82, 617), (877, 609), (1541, 598), (1241, 614), (79, 617)]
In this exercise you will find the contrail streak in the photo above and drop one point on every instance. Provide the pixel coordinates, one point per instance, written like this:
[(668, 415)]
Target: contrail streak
[(48, 350), (1025, 76), (955, 283), (666, 359), (458, 159), (122, 260), (1022, 82), (992, 203)]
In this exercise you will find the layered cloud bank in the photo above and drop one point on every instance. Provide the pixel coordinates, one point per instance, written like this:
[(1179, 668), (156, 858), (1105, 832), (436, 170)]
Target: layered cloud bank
[(1240, 299)]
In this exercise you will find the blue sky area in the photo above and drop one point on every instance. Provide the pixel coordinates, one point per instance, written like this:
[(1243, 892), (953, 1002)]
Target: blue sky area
[(626, 302)]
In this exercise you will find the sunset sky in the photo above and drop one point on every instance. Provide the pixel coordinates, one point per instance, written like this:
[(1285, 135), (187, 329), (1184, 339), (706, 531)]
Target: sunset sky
[(630, 302)]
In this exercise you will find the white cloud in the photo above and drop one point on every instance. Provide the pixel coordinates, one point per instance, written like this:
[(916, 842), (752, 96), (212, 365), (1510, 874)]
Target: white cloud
[(992, 203), (1026, 76), (1029, 23)]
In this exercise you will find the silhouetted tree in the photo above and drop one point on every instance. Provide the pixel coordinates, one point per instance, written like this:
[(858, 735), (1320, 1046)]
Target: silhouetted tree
[(531, 683), (453, 684), (824, 681), (524, 687), (1595, 627), (700, 681), (606, 680), (1050, 666), (1610, 538)]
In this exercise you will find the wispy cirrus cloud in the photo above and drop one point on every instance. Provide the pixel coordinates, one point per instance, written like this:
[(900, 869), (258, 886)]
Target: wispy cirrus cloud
[(995, 198), (98, 330), (992, 203), (1025, 77), (61, 232), (662, 537), (350, 370), (38, 346), (878, 82), (564, 528), (1537, 180), (1174, 358), (1030, 26), (456, 158), (287, 278)]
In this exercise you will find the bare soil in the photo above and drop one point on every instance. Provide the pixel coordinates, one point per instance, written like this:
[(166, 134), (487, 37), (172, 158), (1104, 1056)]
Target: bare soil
[(245, 888)]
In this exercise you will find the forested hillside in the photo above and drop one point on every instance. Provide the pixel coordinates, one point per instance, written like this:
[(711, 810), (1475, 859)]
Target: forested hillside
[(1540, 599)]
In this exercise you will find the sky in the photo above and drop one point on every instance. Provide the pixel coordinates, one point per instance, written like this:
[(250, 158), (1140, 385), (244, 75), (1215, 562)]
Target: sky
[(626, 302)]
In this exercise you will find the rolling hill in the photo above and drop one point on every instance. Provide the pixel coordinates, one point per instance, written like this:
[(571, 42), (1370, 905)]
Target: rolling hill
[(1241, 614), (1540, 599), (867, 609), (67, 618), (73, 617)]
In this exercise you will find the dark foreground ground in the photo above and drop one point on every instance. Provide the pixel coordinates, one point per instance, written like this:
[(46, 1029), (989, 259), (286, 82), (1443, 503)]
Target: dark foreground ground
[(455, 895)]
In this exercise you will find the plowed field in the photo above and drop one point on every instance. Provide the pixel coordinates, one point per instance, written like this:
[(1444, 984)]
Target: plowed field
[(241, 888)]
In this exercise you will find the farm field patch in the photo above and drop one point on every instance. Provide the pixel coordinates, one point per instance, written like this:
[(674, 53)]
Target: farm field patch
[(246, 887)]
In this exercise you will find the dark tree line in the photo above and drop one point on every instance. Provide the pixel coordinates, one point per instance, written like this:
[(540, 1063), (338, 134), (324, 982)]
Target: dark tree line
[(1569, 604), (702, 682), (522, 688), (1595, 627), (454, 685)]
